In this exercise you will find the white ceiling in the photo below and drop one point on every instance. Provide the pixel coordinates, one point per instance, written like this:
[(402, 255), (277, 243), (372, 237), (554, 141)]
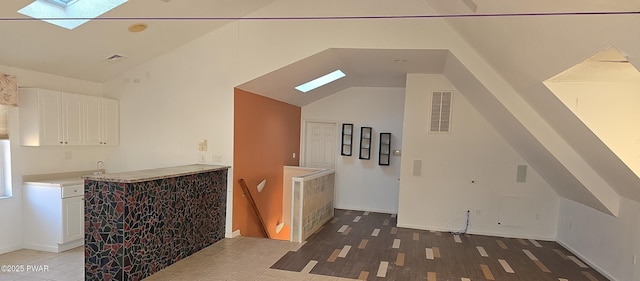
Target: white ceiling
[(80, 53), (524, 49), (363, 68)]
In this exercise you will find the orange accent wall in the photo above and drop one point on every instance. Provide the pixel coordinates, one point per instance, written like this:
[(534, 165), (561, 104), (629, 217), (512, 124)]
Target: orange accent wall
[(266, 134)]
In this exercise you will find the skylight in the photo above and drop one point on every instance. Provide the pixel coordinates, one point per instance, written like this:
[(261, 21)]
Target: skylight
[(69, 13), (321, 81), (63, 3)]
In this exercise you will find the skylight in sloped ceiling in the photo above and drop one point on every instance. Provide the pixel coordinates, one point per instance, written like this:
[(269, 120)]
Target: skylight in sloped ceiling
[(602, 92), (69, 13), (320, 81)]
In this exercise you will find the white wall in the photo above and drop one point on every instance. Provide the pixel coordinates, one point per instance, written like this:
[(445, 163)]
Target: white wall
[(607, 243), (473, 151), (39, 160), (186, 95), (363, 184)]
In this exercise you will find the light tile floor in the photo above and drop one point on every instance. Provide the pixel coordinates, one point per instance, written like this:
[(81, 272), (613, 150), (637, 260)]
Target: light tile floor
[(241, 259)]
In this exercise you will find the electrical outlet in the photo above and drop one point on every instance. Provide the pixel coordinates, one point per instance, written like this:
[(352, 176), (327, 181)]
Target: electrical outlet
[(217, 159)]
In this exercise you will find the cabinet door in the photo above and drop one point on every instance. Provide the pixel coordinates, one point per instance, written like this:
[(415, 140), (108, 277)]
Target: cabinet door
[(93, 120), (72, 219), (50, 111), (72, 119), (110, 122)]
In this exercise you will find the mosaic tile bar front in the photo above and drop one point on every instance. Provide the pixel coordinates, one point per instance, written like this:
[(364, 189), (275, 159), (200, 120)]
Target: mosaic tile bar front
[(134, 229), (312, 203)]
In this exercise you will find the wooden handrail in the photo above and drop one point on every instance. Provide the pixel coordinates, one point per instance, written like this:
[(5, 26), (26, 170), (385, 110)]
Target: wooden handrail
[(247, 194)]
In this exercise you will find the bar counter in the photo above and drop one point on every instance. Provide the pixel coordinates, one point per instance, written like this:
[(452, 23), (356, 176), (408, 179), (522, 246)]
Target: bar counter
[(137, 223)]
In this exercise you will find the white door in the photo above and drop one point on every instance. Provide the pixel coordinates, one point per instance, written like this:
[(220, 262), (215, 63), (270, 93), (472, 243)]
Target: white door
[(320, 145)]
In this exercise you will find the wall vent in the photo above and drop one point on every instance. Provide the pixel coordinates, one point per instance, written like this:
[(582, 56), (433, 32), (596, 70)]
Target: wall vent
[(441, 111)]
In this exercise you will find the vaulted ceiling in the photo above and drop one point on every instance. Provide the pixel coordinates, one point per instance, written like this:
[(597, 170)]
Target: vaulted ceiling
[(525, 42)]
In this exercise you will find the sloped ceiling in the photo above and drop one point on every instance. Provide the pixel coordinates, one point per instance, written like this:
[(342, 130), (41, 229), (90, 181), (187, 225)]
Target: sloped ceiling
[(526, 43), (363, 68), (80, 53), (525, 49)]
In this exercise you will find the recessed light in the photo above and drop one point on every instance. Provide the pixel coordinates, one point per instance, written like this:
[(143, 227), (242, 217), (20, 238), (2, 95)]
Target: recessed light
[(400, 61), (137, 27)]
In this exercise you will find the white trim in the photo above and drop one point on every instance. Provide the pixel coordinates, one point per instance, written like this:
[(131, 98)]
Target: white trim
[(494, 234), (10, 249), (371, 210), (54, 249)]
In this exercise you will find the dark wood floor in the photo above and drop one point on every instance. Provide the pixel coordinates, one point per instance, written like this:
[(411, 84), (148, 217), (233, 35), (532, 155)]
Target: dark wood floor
[(368, 246)]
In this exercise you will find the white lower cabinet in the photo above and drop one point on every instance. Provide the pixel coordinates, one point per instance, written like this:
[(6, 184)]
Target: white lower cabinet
[(53, 217), (72, 219)]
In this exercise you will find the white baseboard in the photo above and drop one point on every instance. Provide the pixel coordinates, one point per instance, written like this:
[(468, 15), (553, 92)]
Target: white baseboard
[(70, 245), (10, 249), (587, 261), (54, 248), (235, 234), (367, 210), (41, 247), (471, 231)]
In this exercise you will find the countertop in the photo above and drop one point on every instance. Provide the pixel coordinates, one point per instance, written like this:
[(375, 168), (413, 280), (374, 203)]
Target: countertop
[(57, 179), (154, 174), (58, 182)]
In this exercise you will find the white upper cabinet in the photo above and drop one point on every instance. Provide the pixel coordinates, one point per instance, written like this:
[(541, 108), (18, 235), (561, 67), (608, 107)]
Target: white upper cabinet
[(93, 120), (72, 123), (102, 121), (110, 122), (55, 118), (42, 124)]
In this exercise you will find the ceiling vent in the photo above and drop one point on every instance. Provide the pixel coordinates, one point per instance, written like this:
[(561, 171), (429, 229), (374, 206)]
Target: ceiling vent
[(114, 58), (440, 112)]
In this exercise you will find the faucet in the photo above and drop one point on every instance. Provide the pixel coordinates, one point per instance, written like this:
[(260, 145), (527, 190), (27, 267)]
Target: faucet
[(99, 166)]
